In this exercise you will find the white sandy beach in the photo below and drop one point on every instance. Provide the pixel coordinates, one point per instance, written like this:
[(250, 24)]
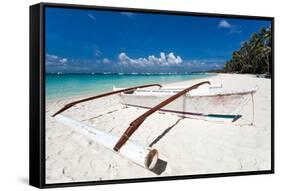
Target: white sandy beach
[(186, 146)]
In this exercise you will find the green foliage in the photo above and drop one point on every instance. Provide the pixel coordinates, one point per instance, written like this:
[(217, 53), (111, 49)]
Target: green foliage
[(254, 56)]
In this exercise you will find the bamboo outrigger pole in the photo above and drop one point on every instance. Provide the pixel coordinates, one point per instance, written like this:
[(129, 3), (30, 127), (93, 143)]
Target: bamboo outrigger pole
[(144, 156), (137, 122), (69, 105)]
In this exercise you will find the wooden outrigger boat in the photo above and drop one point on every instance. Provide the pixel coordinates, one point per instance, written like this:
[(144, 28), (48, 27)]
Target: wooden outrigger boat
[(210, 102), (191, 101)]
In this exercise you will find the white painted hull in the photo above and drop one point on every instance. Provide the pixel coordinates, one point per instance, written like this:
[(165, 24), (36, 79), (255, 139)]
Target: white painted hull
[(141, 155), (199, 103)]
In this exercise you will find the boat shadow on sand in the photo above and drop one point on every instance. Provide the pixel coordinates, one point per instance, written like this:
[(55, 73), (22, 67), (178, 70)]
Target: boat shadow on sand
[(161, 165)]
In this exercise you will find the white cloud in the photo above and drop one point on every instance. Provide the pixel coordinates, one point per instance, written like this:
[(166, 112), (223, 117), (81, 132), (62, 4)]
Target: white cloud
[(224, 24), (92, 17), (97, 52), (212, 62), (232, 28), (128, 14), (235, 30), (163, 60), (172, 59), (106, 61), (52, 59), (63, 60)]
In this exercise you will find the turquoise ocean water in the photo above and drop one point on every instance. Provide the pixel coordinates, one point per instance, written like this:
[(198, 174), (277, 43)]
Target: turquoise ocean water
[(67, 85)]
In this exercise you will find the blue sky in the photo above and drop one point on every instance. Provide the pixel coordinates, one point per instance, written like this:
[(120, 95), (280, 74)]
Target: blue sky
[(79, 41)]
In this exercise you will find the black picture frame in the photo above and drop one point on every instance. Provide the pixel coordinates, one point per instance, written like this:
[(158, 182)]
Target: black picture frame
[(37, 96)]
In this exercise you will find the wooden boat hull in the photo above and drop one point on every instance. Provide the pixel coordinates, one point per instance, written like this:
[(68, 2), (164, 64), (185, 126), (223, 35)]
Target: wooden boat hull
[(215, 105)]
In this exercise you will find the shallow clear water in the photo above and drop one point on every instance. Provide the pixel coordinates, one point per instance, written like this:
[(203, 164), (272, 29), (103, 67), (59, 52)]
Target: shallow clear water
[(67, 85)]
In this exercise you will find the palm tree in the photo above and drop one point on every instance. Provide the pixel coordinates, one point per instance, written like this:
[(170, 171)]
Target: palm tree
[(254, 56)]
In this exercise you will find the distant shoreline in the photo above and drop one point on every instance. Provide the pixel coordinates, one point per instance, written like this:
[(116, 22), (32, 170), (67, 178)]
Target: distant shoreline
[(85, 94), (131, 73)]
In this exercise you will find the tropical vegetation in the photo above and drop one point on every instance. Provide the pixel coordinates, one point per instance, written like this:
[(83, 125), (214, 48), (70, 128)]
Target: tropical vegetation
[(254, 56)]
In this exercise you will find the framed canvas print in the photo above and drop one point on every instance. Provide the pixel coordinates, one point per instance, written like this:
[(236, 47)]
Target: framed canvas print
[(122, 95)]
